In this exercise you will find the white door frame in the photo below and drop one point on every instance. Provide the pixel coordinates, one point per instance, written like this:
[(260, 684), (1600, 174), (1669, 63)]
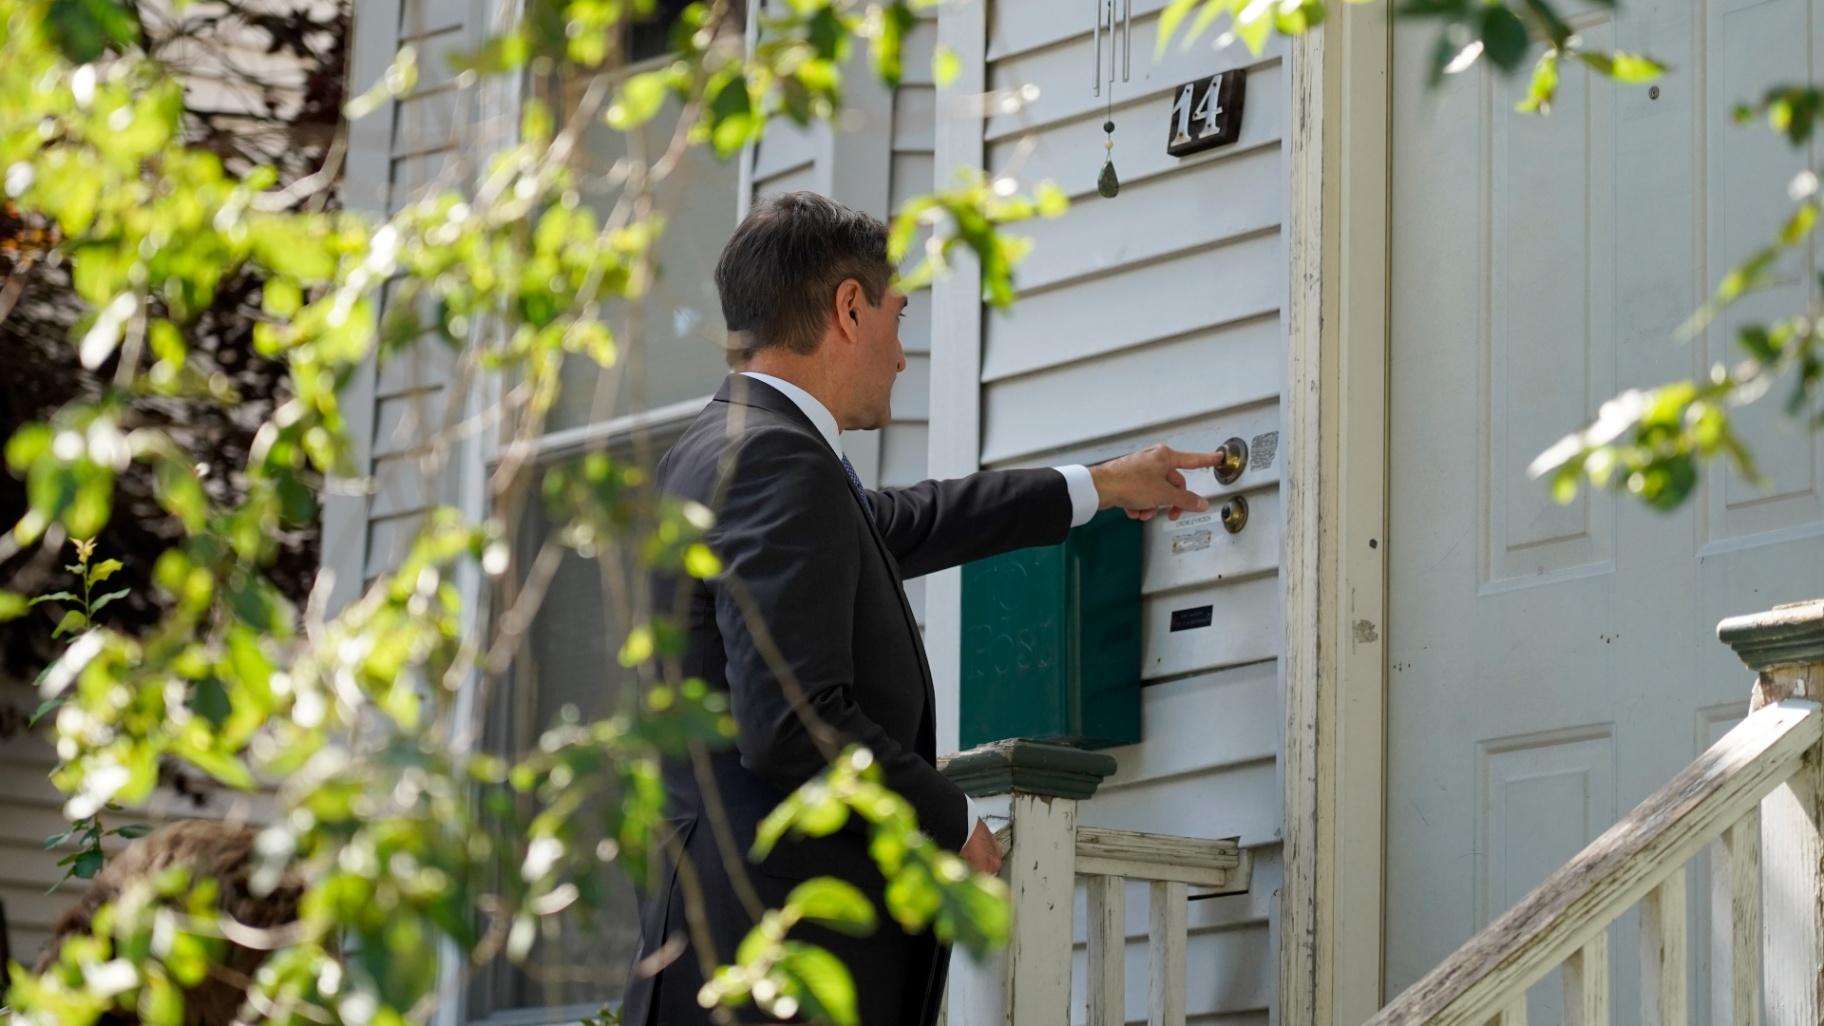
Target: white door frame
[(1331, 921)]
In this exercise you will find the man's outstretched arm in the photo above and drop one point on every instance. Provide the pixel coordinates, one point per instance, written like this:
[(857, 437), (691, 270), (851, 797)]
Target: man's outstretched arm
[(934, 525)]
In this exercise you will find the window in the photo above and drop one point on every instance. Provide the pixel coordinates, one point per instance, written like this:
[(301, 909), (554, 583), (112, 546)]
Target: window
[(568, 657)]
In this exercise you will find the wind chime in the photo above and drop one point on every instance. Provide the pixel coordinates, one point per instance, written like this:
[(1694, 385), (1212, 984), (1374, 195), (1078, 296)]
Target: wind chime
[(1119, 52)]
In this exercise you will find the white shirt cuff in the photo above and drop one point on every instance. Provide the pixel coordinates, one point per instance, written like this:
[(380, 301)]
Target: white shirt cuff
[(1083, 498), (974, 814)]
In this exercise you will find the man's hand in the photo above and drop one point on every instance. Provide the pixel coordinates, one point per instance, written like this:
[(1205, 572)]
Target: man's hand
[(982, 851), (1144, 482)]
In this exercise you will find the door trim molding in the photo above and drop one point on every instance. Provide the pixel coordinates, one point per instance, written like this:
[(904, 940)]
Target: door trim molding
[(1331, 931)]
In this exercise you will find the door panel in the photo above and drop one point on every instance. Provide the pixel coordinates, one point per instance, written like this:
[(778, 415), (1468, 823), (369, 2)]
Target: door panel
[(1550, 666)]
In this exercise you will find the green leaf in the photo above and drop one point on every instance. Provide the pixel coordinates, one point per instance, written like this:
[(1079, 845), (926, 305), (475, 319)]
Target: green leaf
[(945, 65), (182, 494), (102, 602), (44, 709), (161, 1003), (1504, 37), (87, 863), (1800, 224), (1169, 19), (503, 53), (132, 830), (83, 29), (13, 605), (821, 983), (72, 622), (104, 570), (888, 43), (639, 101), (1635, 69), (1544, 85), (281, 298), (834, 903), (57, 596)]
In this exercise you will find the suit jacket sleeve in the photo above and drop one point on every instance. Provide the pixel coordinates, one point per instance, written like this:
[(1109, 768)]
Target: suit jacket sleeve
[(789, 542), (935, 525)]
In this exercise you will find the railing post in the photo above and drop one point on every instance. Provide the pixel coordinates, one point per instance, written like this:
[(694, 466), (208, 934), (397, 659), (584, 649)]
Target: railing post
[(1785, 648), (1033, 788)]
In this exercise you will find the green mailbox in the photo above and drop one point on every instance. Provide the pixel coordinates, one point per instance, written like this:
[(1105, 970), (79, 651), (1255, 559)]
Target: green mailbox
[(1051, 640)]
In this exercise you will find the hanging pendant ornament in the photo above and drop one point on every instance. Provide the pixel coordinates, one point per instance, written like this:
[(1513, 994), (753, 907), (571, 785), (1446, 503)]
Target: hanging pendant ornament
[(1119, 52), (1107, 183)]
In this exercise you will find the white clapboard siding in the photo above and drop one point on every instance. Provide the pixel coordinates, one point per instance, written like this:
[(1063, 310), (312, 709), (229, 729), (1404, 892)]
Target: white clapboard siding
[(1197, 725), (1134, 388), (1136, 305), (1157, 316), (403, 150), (31, 812), (1071, 152)]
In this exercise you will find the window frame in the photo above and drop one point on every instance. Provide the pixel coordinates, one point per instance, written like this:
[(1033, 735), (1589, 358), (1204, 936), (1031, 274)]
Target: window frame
[(661, 426)]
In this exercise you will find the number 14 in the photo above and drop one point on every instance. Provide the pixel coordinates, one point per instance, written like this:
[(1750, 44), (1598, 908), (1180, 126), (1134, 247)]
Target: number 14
[(1208, 110)]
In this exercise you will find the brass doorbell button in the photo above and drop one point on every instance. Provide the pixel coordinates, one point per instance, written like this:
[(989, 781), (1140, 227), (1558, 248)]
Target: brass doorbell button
[(1234, 514), (1234, 453)]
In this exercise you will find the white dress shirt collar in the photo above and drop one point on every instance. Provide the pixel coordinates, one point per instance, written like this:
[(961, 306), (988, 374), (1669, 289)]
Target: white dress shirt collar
[(819, 415)]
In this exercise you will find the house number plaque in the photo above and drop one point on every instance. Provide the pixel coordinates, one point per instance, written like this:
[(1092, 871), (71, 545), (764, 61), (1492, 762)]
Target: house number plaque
[(1206, 113)]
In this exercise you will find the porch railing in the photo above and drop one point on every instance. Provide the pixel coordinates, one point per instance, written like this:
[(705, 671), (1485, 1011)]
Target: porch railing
[(1760, 791), (1048, 853)]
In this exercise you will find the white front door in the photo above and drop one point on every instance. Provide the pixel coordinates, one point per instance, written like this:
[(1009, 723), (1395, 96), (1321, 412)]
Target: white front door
[(1549, 666)]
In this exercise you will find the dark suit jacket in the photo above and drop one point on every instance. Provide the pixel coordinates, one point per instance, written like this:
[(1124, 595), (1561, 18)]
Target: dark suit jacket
[(824, 577)]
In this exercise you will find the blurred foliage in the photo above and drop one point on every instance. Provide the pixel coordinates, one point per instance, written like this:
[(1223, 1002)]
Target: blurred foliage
[(356, 717), (406, 838)]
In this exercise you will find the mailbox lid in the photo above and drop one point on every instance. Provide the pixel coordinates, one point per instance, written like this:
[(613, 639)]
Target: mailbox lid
[(1051, 640)]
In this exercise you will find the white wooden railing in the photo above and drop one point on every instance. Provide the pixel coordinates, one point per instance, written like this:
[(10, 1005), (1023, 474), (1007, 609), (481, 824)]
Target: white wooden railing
[(1047, 855), (1759, 791)]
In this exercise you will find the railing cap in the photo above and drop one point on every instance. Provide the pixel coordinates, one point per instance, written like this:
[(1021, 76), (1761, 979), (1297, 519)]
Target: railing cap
[(1028, 767), (1782, 636)]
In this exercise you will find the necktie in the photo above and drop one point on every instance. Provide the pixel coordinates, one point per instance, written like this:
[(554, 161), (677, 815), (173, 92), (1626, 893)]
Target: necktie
[(855, 483)]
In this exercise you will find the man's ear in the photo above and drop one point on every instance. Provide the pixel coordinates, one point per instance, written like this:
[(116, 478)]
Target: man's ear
[(849, 296)]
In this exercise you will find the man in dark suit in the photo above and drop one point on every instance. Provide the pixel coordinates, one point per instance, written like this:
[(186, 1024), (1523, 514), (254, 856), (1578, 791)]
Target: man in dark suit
[(807, 628)]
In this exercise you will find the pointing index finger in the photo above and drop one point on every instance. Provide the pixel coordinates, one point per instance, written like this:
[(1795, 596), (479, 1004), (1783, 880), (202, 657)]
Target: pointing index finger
[(1195, 460)]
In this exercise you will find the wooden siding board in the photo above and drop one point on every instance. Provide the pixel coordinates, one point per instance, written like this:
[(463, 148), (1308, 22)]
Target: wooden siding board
[(1242, 801), (1197, 548), (428, 120), (785, 147), (1165, 215), (793, 179), (915, 329), (1127, 391), (1070, 152), (430, 362), (1200, 725), (388, 540), (902, 453), (1245, 628), (1204, 433), (403, 422), (914, 174), (1013, 30), (1135, 305), (915, 119), (916, 51), (1063, 75)]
